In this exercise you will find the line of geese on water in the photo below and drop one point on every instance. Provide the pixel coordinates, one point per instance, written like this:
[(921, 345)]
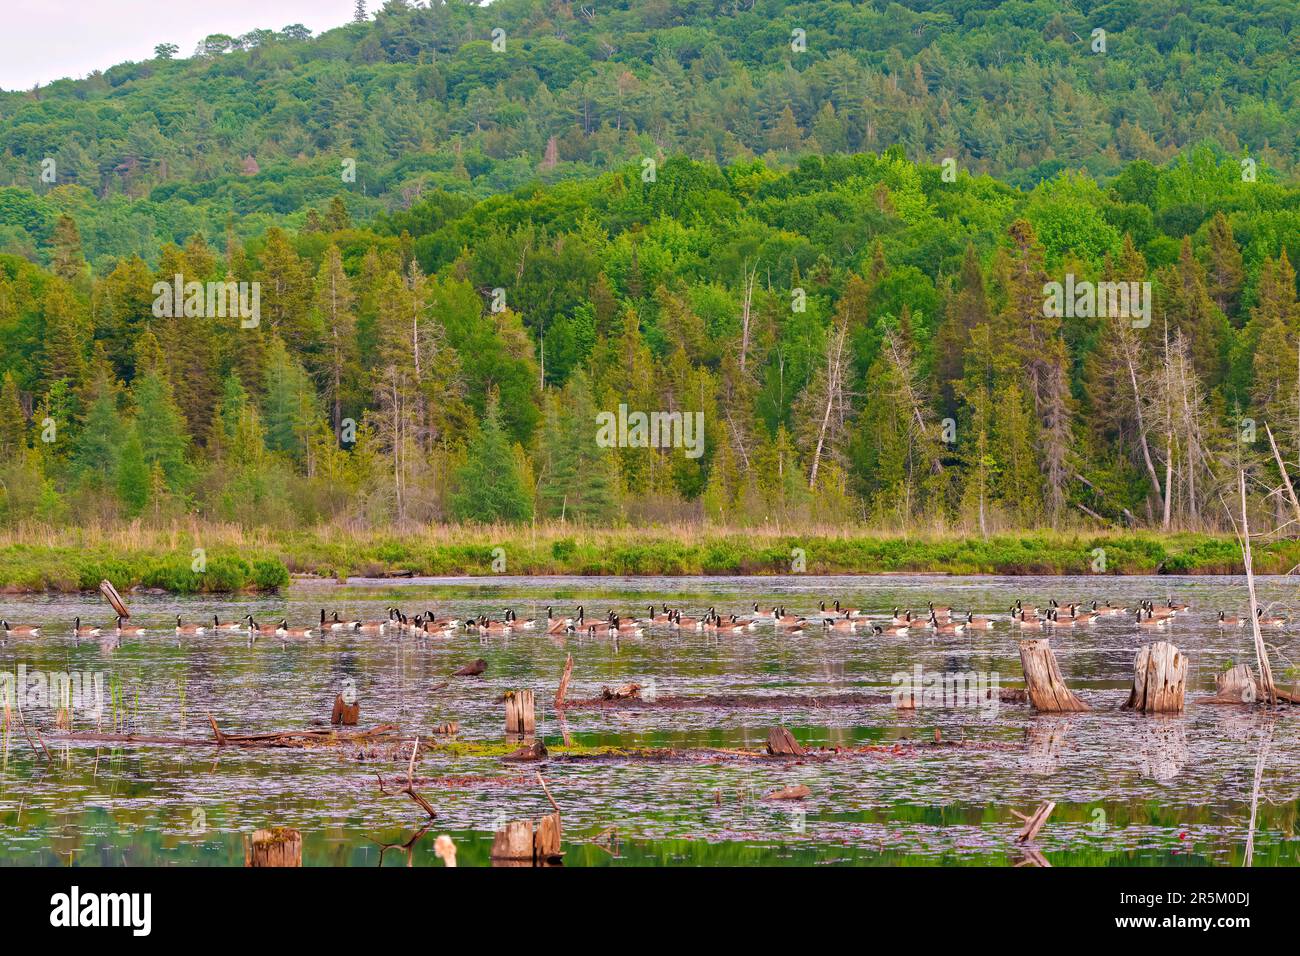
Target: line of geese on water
[(837, 617)]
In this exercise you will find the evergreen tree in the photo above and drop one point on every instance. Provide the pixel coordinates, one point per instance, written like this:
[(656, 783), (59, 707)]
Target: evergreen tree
[(489, 485)]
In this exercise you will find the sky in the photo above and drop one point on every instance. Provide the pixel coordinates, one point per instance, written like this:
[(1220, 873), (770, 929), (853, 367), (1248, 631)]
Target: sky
[(45, 40)]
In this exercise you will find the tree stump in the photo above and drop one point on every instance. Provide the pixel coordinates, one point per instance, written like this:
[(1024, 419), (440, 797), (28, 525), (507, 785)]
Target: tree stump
[(521, 719), (1159, 680), (781, 743), (1043, 680), (278, 846), (546, 840), (345, 714), (1237, 685), (513, 844)]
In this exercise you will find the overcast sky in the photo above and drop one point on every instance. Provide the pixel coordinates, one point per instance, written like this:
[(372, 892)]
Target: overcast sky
[(45, 40)]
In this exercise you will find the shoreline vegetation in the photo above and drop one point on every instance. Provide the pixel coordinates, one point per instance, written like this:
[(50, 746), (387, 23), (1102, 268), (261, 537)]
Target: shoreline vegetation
[(199, 558)]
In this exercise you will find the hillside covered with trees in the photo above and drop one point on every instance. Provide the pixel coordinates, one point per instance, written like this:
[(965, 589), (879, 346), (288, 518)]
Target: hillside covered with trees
[(690, 221)]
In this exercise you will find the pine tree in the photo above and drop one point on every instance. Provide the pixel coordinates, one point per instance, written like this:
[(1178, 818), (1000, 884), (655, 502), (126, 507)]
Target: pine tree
[(133, 472), (334, 303), (160, 430), (579, 480), (13, 424), (489, 486)]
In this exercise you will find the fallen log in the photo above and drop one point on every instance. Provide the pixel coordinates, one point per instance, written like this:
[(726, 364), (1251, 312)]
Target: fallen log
[(106, 588), (1007, 695), (473, 669), (297, 738), (1159, 680), (1043, 681), (630, 691), (529, 752)]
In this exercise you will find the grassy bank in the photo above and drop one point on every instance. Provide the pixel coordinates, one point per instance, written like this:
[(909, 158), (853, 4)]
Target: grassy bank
[(232, 559)]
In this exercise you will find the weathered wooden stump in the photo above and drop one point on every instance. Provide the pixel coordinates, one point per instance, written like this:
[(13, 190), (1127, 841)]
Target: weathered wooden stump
[(278, 846), (1043, 680), (1237, 685), (521, 718), (781, 743), (518, 843), (345, 714), (1159, 680)]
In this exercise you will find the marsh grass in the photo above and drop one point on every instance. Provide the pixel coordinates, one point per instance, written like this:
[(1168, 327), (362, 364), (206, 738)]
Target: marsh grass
[(42, 558)]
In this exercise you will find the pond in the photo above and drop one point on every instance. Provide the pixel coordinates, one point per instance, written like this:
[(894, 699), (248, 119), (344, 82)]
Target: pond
[(1129, 789)]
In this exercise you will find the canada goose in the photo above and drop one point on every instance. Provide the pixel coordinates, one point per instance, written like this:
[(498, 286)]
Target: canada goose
[(513, 620), (1019, 610), (946, 627), (1109, 610), (903, 621), (659, 619), (284, 630), (335, 623), (844, 623), (1159, 613), (219, 625), (625, 625), (488, 626), (790, 620), (80, 631), (850, 611), (764, 615), (1269, 621), (1177, 607), (189, 628), (1150, 620), (260, 628), (555, 625), (21, 630), (978, 623), (734, 625), (1225, 621), (940, 611), (1026, 621), (135, 629), (1081, 617)]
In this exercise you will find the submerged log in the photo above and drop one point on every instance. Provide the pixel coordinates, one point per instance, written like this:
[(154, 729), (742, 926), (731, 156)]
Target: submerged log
[(630, 691), (521, 716), (1043, 680), (278, 846), (1159, 680), (534, 751), (781, 743), (793, 792), (472, 669)]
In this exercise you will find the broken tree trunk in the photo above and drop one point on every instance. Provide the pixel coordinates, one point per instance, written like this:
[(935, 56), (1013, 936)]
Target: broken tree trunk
[(521, 718), (1043, 680), (279, 846), (781, 743), (345, 714), (564, 683), (1159, 680), (513, 844), (546, 840)]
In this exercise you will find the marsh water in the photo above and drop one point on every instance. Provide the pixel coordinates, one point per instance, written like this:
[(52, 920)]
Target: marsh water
[(1129, 789)]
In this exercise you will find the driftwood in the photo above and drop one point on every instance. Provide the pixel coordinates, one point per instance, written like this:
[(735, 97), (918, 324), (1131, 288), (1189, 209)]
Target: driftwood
[(1043, 680), (794, 792), (445, 849), (472, 669), (781, 743), (1159, 680), (521, 716), (409, 789), (564, 683), (630, 691), (1034, 822), (293, 738), (277, 847), (106, 588), (1007, 695), (533, 751)]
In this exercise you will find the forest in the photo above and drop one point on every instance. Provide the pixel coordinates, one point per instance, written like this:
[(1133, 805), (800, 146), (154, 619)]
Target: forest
[(840, 262)]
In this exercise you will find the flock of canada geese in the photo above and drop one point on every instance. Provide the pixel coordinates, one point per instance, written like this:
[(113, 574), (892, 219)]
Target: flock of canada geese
[(938, 620)]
